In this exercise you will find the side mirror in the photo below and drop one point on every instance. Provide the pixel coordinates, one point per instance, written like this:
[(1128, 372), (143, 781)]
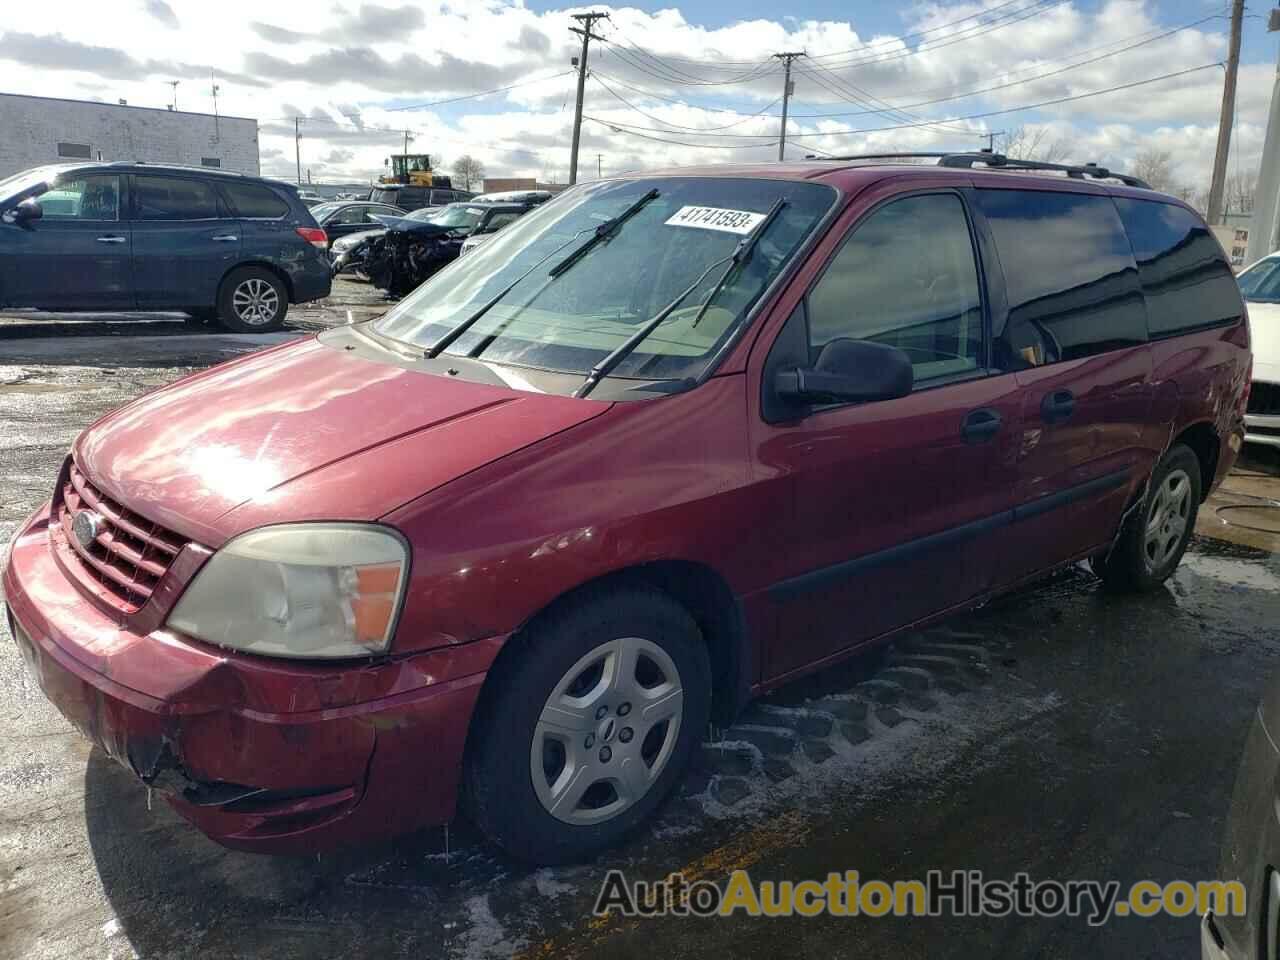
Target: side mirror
[(25, 212), (847, 371)]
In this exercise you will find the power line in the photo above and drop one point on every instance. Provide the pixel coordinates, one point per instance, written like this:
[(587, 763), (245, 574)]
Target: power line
[(1015, 83), (745, 118), (978, 30), (888, 110), (726, 64), (638, 131), (485, 93)]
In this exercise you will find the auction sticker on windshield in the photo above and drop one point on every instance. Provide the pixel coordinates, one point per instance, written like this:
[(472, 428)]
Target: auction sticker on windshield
[(716, 218)]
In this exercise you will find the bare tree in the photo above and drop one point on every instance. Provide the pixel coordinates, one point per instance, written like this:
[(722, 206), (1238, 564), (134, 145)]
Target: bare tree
[(1241, 188), (1155, 167), (469, 169), (1024, 144)]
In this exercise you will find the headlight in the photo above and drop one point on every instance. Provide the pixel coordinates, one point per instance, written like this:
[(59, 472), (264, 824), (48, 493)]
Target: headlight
[(322, 590)]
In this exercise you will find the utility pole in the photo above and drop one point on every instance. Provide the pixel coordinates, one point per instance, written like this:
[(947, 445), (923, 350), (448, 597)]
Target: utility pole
[(588, 20), (1262, 229), (788, 88), (213, 86), (991, 139), (174, 84), (1224, 119), (599, 166), (407, 138), (297, 145)]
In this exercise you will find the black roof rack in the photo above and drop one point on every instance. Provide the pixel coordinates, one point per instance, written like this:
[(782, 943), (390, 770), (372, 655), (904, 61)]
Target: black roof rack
[(1000, 161)]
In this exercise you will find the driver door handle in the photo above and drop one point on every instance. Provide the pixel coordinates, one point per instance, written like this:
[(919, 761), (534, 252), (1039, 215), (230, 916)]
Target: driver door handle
[(225, 238), (111, 239), (1057, 405), (980, 425)]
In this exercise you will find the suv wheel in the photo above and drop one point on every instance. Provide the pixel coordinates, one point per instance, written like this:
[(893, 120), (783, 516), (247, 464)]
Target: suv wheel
[(1153, 539), (252, 300), (588, 725)]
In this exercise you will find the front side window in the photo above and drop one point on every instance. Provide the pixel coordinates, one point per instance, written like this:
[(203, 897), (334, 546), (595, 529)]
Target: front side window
[(1070, 276), (905, 277), (350, 215), (1183, 270), (92, 197), (458, 217), (497, 222), (1261, 282), (173, 198), (570, 321)]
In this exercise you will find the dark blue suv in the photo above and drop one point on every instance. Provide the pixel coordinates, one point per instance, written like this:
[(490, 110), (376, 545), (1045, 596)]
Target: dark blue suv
[(138, 236)]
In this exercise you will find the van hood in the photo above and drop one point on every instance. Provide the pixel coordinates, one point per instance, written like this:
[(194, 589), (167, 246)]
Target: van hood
[(306, 431)]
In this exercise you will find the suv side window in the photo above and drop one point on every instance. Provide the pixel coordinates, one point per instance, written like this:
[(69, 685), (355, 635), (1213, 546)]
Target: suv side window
[(1183, 271), (1072, 284), (173, 198), (497, 222), (91, 197), (350, 215), (253, 201), (907, 277)]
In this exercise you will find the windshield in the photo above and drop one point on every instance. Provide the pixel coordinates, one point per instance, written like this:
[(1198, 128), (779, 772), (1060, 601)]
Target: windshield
[(458, 216), (571, 322), (423, 213), (1261, 281), (20, 182)]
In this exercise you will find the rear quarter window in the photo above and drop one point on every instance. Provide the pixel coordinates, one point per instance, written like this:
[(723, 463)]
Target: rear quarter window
[(1070, 275), (255, 201), (1184, 273)]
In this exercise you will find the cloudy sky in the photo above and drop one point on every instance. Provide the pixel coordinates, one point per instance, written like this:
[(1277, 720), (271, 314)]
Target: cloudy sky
[(694, 83)]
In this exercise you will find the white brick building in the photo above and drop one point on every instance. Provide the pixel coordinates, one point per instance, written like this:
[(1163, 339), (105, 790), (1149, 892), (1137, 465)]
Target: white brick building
[(39, 130)]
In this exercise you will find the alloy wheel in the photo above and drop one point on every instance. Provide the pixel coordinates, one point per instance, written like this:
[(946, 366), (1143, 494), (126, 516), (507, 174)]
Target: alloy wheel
[(1167, 519), (607, 731), (255, 302)]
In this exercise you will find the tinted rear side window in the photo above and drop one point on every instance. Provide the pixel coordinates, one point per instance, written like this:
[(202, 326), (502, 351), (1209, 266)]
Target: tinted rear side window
[(254, 201), (171, 198), (1183, 270), (1072, 283)]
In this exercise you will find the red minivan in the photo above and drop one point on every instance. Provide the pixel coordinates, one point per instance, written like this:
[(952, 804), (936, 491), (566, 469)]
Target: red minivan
[(662, 445)]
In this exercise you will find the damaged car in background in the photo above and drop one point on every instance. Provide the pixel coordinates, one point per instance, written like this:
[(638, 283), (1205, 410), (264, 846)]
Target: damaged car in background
[(412, 250)]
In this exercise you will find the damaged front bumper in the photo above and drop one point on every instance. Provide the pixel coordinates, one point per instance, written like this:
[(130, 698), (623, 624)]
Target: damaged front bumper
[(280, 757)]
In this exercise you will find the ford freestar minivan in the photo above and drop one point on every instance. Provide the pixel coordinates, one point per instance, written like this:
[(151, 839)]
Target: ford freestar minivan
[(663, 444)]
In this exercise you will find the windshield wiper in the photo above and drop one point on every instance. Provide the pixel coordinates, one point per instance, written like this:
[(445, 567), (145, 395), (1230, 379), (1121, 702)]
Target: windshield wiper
[(741, 253), (602, 232), (740, 256)]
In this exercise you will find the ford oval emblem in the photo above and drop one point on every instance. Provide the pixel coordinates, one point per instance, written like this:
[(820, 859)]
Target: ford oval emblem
[(86, 525)]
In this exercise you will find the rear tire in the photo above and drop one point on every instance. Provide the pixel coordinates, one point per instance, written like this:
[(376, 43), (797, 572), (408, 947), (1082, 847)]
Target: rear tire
[(252, 300), (588, 725), (1152, 541)]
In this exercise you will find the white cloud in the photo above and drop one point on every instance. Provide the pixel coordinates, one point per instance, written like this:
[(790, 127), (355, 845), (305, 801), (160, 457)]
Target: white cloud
[(345, 67)]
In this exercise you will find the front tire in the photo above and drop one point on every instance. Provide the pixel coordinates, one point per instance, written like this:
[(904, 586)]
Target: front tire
[(1152, 541), (252, 300), (588, 724)]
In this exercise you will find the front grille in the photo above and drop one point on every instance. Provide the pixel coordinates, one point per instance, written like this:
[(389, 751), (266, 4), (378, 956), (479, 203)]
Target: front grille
[(1264, 399), (130, 553)]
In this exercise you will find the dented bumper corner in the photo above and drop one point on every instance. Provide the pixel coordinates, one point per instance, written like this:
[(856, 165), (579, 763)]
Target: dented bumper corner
[(260, 754)]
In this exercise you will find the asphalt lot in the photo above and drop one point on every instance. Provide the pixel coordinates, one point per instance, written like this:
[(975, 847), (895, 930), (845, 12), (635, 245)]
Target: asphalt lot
[(1059, 731)]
